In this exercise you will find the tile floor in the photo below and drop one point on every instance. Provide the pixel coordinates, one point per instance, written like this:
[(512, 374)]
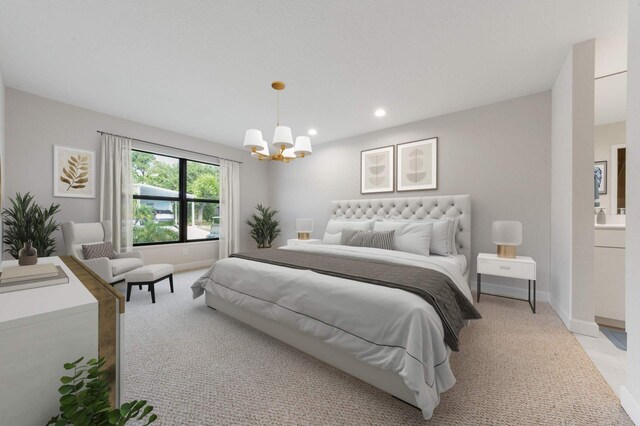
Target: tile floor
[(610, 361)]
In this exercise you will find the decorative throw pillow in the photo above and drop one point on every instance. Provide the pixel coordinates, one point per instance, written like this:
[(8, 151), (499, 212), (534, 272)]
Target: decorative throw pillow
[(409, 237), (442, 235), (94, 251), (333, 233), (373, 239)]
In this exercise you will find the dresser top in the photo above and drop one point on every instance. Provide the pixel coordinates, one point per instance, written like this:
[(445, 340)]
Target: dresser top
[(520, 259), (37, 304)]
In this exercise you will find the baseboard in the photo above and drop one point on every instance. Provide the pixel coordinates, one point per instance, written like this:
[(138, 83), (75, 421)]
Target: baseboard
[(630, 404), (181, 267), (508, 291), (564, 316), (587, 328)]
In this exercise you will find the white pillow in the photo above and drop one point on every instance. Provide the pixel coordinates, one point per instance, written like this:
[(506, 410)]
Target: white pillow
[(442, 236), (410, 237), (333, 233)]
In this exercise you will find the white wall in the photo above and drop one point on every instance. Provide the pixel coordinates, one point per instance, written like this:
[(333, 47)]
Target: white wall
[(499, 154), (561, 205), (630, 394), (572, 231), (35, 124), (606, 136)]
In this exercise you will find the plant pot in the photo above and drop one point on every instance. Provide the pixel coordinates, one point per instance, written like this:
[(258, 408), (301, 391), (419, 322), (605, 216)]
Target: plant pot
[(28, 255)]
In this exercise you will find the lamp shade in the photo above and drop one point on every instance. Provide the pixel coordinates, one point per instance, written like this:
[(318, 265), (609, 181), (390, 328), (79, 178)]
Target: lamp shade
[(507, 232), (263, 151), (304, 225), (282, 136), (288, 153), (253, 139), (303, 146)]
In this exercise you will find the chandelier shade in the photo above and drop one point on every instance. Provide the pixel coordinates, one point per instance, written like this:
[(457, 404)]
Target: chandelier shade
[(283, 137), (303, 146), (263, 151), (253, 139)]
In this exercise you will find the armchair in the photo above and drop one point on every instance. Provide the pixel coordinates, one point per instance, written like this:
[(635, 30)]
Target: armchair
[(110, 270)]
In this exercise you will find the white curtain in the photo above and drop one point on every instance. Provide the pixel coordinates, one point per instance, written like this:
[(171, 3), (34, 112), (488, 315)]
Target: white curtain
[(116, 191), (229, 208)]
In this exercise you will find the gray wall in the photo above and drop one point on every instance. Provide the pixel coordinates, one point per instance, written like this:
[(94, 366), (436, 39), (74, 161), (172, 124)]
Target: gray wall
[(35, 124), (500, 154)]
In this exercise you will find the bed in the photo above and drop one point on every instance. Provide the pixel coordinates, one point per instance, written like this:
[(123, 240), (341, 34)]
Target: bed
[(387, 337)]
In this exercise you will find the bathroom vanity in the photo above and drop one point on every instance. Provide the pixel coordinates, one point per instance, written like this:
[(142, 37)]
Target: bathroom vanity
[(609, 274)]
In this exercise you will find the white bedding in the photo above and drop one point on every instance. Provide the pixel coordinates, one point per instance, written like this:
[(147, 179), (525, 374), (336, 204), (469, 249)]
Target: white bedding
[(388, 328)]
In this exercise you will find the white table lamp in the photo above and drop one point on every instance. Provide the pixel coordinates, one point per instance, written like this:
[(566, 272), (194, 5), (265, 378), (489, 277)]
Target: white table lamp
[(507, 235), (304, 228)]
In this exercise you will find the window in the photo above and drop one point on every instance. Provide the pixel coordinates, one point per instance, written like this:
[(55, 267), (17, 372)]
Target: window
[(175, 199)]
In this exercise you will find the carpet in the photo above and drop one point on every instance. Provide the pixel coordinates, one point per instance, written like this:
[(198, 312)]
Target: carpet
[(197, 366)]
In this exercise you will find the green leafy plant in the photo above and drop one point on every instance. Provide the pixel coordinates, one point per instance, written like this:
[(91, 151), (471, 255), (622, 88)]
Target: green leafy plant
[(26, 221), (264, 226), (85, 399)]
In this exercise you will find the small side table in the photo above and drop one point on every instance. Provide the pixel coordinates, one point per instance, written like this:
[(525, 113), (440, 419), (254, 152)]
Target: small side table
[(522, 267), (295, 241)]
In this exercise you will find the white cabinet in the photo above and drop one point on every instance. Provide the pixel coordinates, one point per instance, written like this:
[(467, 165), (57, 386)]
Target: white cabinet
[(609, 276), (40, 330), (295, 241)]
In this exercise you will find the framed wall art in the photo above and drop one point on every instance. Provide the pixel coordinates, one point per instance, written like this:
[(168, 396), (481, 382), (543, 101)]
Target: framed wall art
[(377, 170), (600, 174), (417, 165), (74, 172)]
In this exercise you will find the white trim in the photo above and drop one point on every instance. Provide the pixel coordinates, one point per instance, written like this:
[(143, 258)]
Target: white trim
[(630, 404), (587, 328), (614, 177), (510, 291), (564, 316)]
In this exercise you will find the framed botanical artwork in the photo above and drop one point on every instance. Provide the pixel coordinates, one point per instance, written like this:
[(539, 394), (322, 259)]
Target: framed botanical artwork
[(74, 172), (376, 170), (418, 165), (600, 175)]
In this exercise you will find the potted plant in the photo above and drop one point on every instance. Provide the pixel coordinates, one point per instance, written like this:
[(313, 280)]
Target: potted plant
[(85, 399), (26, 221), (265, 227)]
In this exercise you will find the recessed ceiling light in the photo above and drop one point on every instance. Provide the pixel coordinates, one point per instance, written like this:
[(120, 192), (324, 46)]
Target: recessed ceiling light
[(380, 112), (312, 132)]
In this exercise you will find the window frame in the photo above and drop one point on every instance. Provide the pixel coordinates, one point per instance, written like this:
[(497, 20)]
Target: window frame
[(182, 201)]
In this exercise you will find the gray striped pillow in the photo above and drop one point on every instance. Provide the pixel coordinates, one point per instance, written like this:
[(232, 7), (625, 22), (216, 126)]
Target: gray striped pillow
[(373, 239), (94, 251)]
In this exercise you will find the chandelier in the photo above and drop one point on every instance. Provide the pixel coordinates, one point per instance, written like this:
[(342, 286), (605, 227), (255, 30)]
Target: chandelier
[(286, 150)]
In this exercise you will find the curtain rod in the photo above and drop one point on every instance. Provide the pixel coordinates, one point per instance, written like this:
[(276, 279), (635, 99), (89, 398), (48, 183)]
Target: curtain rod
[(167, 146)]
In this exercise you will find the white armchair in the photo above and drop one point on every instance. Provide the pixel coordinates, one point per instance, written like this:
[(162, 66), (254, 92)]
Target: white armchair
[(110, 270)]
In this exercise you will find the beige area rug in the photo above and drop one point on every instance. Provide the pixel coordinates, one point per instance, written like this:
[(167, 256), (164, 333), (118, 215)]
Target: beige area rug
[(200, 367)]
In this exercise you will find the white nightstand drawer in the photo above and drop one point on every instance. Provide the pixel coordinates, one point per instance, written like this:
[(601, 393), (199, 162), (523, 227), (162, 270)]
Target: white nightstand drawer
[(507, 268), (295, 241)]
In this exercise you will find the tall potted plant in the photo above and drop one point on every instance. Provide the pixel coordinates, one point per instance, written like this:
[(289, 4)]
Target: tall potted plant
[(25, 221), (265, 227)]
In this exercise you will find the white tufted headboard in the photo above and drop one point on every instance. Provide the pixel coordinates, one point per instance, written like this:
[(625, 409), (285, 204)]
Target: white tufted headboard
[(413, 208)]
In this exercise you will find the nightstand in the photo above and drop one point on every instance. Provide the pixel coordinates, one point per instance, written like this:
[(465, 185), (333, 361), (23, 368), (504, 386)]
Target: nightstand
[(522, 267), (295, 241)]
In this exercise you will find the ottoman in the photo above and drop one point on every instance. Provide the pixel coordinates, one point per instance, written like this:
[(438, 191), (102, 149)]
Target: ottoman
[(149, 275)]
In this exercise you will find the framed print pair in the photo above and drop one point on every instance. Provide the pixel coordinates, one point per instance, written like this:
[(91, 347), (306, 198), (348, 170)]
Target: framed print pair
[(411, 166)]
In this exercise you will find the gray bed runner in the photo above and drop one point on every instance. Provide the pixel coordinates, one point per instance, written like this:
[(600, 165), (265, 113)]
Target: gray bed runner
[(434, 287)]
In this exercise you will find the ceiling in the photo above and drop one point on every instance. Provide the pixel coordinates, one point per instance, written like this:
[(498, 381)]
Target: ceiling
[(204, 68)]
